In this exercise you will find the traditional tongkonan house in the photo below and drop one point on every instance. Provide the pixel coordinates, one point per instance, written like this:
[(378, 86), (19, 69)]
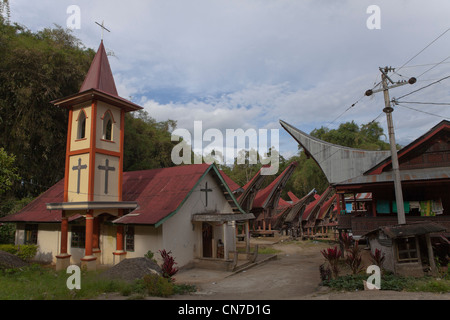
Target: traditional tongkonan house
[(315, 213), (425, 180), (98, 214), (266, 201), (289, 220)]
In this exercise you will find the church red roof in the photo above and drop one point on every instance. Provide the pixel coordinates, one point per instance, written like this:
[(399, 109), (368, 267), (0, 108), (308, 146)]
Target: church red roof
[(100, 76), (158, 192)]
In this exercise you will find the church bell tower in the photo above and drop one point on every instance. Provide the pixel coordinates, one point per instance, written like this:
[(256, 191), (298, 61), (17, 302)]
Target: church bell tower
[(94, 151)]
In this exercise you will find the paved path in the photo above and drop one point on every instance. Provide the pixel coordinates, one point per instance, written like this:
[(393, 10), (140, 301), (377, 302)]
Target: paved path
[(294, 275)]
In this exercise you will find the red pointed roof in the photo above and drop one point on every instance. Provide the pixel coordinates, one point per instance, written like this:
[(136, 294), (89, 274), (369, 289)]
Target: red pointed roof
[(98, 84), (263, 196), (100, 76)]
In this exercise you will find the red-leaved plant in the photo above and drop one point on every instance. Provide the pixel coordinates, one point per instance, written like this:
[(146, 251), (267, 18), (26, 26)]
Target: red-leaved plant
[(377, 258), (354, 259), (168, 269), (332, 255), (346, 240)]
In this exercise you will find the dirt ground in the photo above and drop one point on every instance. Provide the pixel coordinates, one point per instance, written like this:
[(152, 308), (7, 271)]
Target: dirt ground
[(293, 275)]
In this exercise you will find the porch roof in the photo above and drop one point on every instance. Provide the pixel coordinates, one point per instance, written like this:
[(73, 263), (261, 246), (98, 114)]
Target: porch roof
[(407, 230)]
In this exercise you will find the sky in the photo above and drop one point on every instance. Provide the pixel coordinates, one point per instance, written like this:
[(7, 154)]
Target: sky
[(246, 64)]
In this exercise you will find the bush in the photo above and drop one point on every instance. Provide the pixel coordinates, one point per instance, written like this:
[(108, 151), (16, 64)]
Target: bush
[(332, 255), (25, 252), (158, 286), (168, 269)]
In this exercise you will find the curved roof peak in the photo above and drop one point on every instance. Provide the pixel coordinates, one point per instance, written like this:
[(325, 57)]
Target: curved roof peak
[(338, 163)]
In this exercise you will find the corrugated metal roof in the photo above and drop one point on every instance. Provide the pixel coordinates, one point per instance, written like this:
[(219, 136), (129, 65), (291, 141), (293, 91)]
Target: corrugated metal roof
[(411, 229), (337, 162), (405, 175), (158, 192)]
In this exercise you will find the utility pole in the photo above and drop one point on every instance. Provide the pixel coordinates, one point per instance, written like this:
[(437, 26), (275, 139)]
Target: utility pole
[(388, 110)]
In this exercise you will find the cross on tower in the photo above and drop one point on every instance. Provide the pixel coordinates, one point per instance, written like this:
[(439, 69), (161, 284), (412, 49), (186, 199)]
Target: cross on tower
[(79, 167), (206, 190), (107, 168), (103, 27)]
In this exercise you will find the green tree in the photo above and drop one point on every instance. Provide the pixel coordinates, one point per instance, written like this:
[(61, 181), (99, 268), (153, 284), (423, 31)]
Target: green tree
[(8, 171), (36, 68), (147, 143)]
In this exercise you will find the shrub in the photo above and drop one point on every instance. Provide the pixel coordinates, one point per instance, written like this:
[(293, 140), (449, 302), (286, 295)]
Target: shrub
[(158, 286), (25, 251), (150, 255), (377, 258), (325, 273), (346, 240), (354, 259), (332, 255), (168, 269)]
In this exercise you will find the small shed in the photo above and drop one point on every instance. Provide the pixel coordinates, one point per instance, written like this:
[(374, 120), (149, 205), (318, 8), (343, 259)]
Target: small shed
[(406, 247)]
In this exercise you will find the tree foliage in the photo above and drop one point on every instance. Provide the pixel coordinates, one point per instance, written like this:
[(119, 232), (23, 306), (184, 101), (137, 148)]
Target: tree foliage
[(35, 69), (147, 143)]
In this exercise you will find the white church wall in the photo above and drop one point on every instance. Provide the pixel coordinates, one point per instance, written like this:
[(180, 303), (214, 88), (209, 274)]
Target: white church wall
[(146, 238), (183, 237)]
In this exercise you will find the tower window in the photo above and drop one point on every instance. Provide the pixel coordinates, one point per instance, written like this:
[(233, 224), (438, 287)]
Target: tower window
[(81, 133), (107, 126)]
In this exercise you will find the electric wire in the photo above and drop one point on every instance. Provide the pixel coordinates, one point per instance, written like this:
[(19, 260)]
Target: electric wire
[(424, 87), (422, 111), (426, 47)]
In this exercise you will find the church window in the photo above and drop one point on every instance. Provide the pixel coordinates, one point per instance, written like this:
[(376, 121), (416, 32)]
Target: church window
[(81, 133), (107, 126), (129, 238), (78, 237), (31, 233)]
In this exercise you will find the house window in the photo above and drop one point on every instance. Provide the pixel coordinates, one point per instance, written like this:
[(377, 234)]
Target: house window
[(107, 126), (81, 133), (129, 238), (407, 249), (31, 233), (78, 237)]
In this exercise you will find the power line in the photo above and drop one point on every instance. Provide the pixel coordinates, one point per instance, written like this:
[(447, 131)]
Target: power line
[(433, 67), (424, 87), (427, 103), (422, 111), (424, 49)]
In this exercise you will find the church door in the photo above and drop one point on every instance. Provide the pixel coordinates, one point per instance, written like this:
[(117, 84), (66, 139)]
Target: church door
[(207, 236)]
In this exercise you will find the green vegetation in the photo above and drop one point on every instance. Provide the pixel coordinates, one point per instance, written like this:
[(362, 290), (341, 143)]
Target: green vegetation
[(25, 252), (40, 283), (389, 281)]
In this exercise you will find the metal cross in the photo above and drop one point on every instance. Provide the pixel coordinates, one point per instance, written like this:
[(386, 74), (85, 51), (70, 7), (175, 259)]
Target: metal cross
[(79, 167), (107, 168), (103, 27), (206, 190)]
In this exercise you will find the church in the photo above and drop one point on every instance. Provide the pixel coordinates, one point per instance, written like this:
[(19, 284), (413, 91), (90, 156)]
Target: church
[(99, 215)]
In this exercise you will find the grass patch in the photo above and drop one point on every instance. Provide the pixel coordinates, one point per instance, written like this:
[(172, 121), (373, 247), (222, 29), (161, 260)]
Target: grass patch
[(41, 283), (390, 281)]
